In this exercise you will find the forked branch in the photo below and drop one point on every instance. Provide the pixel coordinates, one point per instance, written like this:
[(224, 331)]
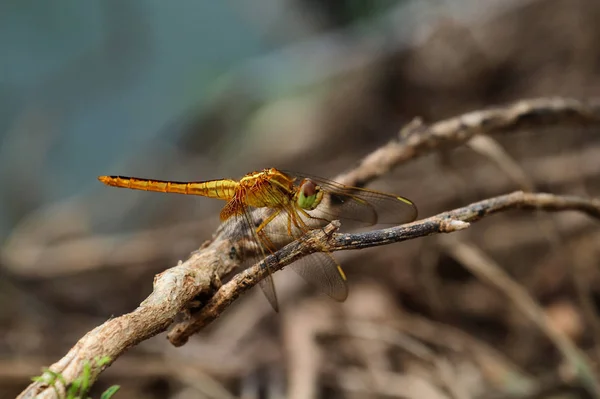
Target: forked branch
[(177, 287), (326, 240)]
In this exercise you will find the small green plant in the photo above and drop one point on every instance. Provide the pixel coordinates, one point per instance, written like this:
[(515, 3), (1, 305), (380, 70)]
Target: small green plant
[(79, 388)]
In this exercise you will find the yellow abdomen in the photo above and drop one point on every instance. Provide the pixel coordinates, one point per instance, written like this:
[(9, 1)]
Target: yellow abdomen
[(221, 189)]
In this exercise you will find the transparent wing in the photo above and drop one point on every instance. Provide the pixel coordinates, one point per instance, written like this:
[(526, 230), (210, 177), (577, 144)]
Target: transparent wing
[(323, 272), (361, 207), (319, 269), (257, 247), (269, 239), (267, 285), (277, 227)]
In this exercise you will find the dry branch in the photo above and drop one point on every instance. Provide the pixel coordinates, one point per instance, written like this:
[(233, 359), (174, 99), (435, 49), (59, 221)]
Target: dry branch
[(177, 287), (446, 222), (416, 139)]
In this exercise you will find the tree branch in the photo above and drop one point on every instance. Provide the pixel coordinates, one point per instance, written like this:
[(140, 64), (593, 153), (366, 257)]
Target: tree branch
[(175, 288), (417, 139), (323, 240)]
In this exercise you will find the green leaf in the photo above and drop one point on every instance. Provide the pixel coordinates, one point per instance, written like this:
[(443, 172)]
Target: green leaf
[(85, 379), (103, 361), (81, 385), (110, 392), (73, 390)]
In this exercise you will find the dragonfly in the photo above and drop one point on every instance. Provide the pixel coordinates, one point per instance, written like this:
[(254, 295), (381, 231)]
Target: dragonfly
[(295, 203)]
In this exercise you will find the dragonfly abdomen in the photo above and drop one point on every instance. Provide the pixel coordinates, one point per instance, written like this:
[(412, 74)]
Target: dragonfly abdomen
[(221, 189)]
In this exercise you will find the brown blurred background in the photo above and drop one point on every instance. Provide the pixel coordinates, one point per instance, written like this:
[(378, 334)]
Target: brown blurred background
[(201, 90)]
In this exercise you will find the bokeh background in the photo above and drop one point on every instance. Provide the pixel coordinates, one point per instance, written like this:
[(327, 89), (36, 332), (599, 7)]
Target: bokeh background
[(195, 90)]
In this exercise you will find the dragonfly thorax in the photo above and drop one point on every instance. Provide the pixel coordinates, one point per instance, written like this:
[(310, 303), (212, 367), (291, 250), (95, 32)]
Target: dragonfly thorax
[(267, 188)]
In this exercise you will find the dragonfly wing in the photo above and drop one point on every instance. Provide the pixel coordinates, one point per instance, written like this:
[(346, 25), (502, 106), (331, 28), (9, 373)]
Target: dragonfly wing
[(267, 285), (322, 271), (319, 269), (358, 207), (260, 247), (272, 235)]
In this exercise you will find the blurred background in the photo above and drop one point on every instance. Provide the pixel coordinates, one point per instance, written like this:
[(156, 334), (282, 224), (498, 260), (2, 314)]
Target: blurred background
[(197, 90)]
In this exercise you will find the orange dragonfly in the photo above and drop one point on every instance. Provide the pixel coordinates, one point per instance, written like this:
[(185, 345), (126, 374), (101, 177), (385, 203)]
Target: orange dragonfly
[(300, 203)]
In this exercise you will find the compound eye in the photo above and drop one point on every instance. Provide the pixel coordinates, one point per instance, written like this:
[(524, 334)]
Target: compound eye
[(307, 196), (309, 188)]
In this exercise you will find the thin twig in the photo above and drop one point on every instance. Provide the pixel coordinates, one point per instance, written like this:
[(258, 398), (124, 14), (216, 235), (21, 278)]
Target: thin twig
[(490, 148), (484, 267), (582, 264), (417, 139)]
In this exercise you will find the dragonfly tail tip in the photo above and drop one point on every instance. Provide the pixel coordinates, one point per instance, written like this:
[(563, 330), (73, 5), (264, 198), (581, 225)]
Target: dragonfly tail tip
[(104, 179)]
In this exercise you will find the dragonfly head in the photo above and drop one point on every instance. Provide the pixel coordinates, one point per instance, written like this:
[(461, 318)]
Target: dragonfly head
[(309, 195)]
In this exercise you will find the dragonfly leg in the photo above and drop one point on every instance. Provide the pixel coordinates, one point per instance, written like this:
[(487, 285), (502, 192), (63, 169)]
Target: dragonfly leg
[(289, 224), (263, 242), (320, 269), (299, 223), (311, 217), (268, 220)]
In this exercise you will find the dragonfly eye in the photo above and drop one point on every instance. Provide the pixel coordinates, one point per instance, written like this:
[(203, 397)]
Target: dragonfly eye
[(309, 195), (309, 188)]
